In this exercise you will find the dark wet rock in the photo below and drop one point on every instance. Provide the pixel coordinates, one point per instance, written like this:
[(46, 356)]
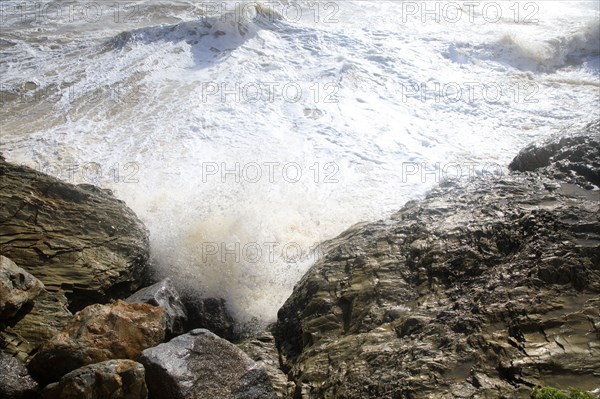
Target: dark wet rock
[(211, 314), (114, 379), (79, 240), (97, 333), (263, 351), (15, 381), (164, 294), (17, 287), (486, 288), (33, 325), (574, 158), (201, 365)]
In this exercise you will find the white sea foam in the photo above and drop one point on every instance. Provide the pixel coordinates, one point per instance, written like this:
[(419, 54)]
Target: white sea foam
[(364, 101)]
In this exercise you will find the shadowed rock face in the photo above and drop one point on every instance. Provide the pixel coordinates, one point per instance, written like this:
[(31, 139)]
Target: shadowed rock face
[(24, 333), (79, 240), (211, 314), (114, 379), (484, 289), (15, 382)]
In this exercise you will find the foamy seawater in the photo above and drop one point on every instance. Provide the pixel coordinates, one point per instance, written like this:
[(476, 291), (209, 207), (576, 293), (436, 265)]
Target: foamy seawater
[(245, 133)]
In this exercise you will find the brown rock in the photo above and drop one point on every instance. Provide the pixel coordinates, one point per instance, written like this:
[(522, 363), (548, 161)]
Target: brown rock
[(17, 287), (114, 379), (164, 294), (79, 240), (100, 332)]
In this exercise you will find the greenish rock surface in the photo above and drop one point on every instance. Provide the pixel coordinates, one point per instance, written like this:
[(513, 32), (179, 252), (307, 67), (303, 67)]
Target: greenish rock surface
[(262, 350), (24, 333), (78, 240)]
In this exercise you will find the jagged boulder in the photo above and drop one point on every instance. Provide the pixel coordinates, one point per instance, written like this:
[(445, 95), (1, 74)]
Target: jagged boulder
[(97, 333), (15, 381), (164, 294), (484, 289), (114, 379), (572, 158), (78, 240), (17, 287), (201, 365)]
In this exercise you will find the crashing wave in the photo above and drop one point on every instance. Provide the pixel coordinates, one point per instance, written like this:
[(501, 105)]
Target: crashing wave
[(555, 53), (230, 29), (532, 52)]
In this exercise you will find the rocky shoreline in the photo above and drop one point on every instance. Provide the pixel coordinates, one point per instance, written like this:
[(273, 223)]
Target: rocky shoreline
[(486, 288)]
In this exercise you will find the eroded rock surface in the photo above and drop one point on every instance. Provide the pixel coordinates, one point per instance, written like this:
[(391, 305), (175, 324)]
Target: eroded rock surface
[(97, 333), (114, 379), (79, 240), (164, 294), (263, 351), (32, 326), (202, 365), (573, 158), (482, 290), (17, 287)]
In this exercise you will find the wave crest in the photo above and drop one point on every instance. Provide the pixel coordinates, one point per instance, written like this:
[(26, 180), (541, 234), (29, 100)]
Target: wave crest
[(558, 52)]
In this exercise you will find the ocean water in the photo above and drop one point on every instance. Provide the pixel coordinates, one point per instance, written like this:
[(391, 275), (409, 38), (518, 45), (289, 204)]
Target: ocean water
[(245, 133)]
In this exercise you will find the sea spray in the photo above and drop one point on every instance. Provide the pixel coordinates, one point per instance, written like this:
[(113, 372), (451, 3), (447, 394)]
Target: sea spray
[(173, 105)]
